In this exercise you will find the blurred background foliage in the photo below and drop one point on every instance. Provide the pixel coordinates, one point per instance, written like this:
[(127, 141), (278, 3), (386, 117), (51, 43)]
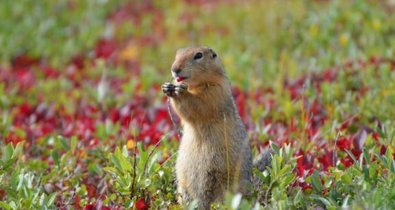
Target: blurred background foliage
[(256, 39), (53, 30)]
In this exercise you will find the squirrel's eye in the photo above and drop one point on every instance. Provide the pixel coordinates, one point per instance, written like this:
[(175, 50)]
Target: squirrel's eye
[(198, 56)]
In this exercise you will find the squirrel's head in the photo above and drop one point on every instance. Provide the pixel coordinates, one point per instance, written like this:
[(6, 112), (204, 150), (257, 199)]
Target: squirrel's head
[(197, 66)]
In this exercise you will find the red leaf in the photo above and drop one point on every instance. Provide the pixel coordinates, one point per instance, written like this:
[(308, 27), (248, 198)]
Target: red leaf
[(25, 77), (383, 150), (329, 75), (376, 136), (22, 61), (141, 204), (13, 139), (105, 48), (50, 72), (77, 202), (89, 207), (25, 109), (91, 190), (347, 161), (305, 164), (114, 115), (2, 194), (343, 143), (105, 208), (327, 160), (78, 61)]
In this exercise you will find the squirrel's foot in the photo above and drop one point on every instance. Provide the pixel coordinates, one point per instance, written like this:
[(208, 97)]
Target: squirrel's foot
[(172, 90)]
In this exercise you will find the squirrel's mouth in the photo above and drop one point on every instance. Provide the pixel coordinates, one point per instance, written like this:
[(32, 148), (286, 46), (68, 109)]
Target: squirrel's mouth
[(179, 79)]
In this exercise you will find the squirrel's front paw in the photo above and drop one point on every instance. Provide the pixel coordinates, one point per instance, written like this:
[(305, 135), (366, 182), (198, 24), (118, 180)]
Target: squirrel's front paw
[(181, 88), (172, 90), (169, 89)]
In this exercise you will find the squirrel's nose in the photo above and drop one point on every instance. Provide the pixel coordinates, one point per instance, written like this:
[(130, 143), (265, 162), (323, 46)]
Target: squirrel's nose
[(176, 70)]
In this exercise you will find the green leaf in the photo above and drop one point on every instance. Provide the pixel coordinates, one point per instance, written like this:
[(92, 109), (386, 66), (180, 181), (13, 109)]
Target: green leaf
[(41, 199), (116, 162), (366, 156), (372, 170), (382, 159), (275, 148), (74, 142), (326, 202), (5, 205), (153, 161), (8, 152), (51, 199), (298, 197), (285, 170), (147, 182), (346, 178), (352, 156), (142, 153), (389, 158), (111, 170), (18, 149), (257, 206), (55, 157), (125, 182), (125, 152), (129, 204), (285, 182), (63, 142), (345, 202), (95, 168), (277, 160), (121, 161), (316, 182)]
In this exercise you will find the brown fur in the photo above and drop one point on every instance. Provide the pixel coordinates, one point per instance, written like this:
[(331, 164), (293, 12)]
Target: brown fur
[(214, 154)]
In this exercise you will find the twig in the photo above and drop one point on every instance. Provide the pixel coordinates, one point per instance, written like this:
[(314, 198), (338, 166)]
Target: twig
[(134, 172)]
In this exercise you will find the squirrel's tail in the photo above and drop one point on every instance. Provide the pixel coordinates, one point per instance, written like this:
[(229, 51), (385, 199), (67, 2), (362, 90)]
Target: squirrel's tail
[(263, 160)]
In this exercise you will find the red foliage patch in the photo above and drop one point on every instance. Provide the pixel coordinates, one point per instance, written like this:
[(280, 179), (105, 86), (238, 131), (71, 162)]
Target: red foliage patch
[(305, 163), (327, 160), (105, 48), (343, 143), (13, 138), (142, 204)]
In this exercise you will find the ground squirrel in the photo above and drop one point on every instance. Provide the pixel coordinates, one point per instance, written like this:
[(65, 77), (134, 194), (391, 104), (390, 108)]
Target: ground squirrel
[(214, 154)]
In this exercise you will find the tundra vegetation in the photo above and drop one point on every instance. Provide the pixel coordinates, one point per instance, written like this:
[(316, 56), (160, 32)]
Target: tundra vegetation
[(84, 124)]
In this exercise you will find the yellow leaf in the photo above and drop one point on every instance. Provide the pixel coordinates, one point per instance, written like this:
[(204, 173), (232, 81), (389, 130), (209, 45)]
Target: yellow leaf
[(376, 24), (83, 154), (129, 53), (343, 39), (131, 144), (313, 30)]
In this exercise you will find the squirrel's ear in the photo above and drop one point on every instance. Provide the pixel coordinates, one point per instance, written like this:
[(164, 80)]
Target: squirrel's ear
[(213, 54)]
